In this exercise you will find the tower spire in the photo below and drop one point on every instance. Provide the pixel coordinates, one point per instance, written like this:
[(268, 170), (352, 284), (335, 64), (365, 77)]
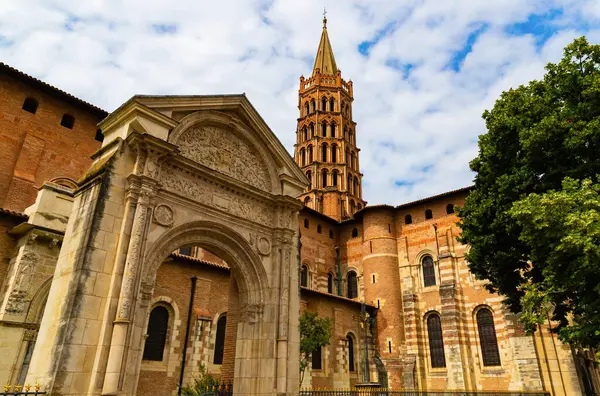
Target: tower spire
[(325, 61)]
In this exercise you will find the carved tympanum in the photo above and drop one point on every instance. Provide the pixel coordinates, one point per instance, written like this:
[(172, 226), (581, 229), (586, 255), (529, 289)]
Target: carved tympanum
[(222, 150)]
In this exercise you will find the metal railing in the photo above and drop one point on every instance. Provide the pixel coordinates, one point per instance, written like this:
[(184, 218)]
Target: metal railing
[(387, 392)]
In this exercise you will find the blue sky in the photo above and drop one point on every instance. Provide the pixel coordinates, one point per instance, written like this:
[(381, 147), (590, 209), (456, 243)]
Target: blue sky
[(423, 70)]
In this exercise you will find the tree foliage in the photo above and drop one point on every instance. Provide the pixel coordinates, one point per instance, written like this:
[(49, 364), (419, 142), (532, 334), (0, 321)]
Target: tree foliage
[(315, 333), (521, 217)]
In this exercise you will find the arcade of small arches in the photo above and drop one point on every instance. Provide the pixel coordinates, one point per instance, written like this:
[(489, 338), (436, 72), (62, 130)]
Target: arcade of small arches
[(327, 129), (334, 179), (326, 103), (329, 154), (354, 207)]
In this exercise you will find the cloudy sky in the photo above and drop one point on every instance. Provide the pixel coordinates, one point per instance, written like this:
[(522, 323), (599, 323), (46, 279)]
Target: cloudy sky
[(423, 70)]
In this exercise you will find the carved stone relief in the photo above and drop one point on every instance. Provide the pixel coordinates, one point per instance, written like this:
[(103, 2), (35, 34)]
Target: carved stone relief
[(263, 246), (199, 191), (251, 313), (222, 150), (163, 215)]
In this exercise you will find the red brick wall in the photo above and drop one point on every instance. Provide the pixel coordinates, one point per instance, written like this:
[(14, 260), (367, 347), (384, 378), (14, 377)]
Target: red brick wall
[(35, 147), (7, 244)]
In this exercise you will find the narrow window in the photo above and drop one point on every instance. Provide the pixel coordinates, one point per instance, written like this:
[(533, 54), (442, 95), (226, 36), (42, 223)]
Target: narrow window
[(313, 105), (371, 246), (390, 346), (324, 129), (316, 359), (449, 209), (67, 121), (330, 283), (312, 129), (324, 152), (352, 206), (304, 276), (352, 161), (302, 157), (305, 223), (349, 184), (352, 285), (350, 353), (330, 234), (324, 104), (310, 158), (220, 340), (319, 229), (186, 251), (428, 214), (30, 105), (305, 133), (354, 233), (334, 153), (332, 130), (436, 342), (309, 177), (157, 334), (26, 362), (428, 271), (335, 177), (378, 304), (99, 135), (389, 228), (306, 201), (408, 219), (324, 178), (331, 104), (306, 108), (487, 338), (373, 276)]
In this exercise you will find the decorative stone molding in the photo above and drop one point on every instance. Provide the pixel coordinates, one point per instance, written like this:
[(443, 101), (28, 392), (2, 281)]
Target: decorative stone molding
[(163, 215), (250, 313), (16, 302), (263, 246)]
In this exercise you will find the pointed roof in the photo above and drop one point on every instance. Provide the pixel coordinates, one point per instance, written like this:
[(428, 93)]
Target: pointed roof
[(325, 60)]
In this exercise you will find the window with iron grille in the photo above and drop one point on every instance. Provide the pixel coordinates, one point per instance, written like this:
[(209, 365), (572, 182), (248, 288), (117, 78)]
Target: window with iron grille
[(436, 341), (316, 359), (352, 285), (220, 340), (487, 338), (428, 271), (350, 353), (157, 334)]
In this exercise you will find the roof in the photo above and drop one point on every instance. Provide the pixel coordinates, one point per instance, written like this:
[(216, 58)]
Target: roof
[(434, 197), (13, 213), (319, 214), (350, 300), (200, 261), (4, 68), (325, 60)]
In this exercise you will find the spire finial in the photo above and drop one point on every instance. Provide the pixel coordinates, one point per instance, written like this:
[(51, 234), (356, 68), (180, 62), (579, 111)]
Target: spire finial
[(324, 17)]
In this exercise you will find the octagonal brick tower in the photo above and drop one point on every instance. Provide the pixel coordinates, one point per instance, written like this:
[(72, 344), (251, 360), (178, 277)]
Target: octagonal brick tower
[(325, 146)]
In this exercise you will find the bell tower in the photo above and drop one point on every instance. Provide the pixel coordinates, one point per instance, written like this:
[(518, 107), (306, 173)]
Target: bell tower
[(325, 146)]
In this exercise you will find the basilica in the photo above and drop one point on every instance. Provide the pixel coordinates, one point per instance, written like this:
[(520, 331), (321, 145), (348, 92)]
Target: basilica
[(176, 237)]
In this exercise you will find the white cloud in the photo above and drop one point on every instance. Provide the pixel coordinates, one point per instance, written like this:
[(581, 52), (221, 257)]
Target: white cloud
[(417, 128)]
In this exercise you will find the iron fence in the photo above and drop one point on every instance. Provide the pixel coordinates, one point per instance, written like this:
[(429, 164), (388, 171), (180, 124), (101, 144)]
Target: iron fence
[(387, 392), (22, 393)]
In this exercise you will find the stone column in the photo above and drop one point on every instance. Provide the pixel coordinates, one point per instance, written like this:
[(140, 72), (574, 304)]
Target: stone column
[(452, 337), (127, 297)]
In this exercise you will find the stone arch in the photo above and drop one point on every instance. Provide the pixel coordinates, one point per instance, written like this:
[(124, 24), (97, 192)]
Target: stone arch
[(221, 240), (252, 154), (65, 182), (38, 302)]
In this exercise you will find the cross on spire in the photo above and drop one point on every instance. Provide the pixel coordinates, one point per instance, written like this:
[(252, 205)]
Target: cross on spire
[(324, 17)]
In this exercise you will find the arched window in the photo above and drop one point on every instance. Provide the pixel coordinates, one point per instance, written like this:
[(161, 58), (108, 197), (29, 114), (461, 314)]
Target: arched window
[(304, 276), (330, 283), (306, 201), (324, 153), (310, 155), (408, 219), (487, 338), (332, 130), (352, 285), (324, 104), (302, 157), (334, 150), (68, 121), (449, 209), (428, 214), (330, 234), (335, 177), (358, 206), (30, 105), (349, 184), (309, 177), (220, 340), (356, 188), (305, 133), (354, 232), (324, 129), (312, 130), (428, 271), (350, 137), (352, 161), (331, 104), (305, 223), (347, 157), (351, 367), (324, 178), (157, 334), (436, 342), (313, 105), (306, 108), (319, 229), (316, 359)]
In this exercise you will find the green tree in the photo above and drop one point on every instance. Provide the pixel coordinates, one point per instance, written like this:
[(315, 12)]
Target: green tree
[(315, 333), (542, 139), (203, 382)]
